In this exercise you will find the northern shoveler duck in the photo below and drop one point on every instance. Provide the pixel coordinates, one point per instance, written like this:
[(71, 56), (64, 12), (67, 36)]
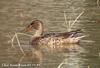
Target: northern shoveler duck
[(39, 38)]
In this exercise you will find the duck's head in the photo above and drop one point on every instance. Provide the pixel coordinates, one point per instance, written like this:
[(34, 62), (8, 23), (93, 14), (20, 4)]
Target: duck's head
[(36, 24)]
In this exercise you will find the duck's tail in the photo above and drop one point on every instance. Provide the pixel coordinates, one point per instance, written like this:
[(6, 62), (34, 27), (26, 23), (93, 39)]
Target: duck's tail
[(76, 34)]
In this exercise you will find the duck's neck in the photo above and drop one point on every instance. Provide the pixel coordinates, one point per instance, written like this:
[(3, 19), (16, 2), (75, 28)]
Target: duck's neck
[(39, 32)]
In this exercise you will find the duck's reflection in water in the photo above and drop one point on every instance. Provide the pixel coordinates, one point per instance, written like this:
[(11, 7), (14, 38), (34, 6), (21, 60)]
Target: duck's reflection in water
[(42, 55), (55, 48)]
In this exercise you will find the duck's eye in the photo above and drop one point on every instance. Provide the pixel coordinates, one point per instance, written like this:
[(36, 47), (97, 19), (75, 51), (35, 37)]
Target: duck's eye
[(32, 24)]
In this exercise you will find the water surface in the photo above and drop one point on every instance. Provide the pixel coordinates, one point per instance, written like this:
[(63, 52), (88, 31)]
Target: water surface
[(16, 14)]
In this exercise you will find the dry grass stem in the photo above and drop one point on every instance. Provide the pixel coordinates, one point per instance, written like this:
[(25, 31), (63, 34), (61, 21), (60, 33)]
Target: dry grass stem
[(88, 66), (76, 19), (16, 37), (12, 40), (97, 2), (19, 45), (65, 19), (60, 65), (99, 54), (69, 23), (69, 29), (24, 34), (20, 60)]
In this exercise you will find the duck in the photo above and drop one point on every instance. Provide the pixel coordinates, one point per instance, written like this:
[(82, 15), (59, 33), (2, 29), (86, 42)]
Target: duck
[(41, 38)]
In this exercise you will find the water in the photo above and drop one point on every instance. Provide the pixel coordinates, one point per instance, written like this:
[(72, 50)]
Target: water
[(16, 14)]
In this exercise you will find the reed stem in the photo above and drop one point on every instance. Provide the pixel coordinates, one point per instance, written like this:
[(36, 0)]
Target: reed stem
[(19, 45), (76, 19)]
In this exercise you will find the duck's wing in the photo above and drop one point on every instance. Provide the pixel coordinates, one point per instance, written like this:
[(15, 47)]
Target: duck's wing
[(74, 33)]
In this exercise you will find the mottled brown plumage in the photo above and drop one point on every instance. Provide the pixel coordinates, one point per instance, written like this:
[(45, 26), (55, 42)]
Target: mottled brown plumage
[(40, 38)]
